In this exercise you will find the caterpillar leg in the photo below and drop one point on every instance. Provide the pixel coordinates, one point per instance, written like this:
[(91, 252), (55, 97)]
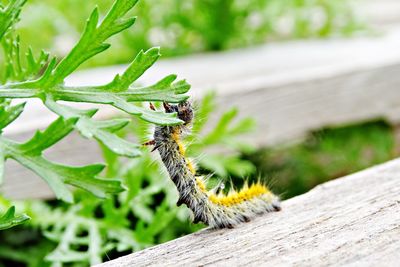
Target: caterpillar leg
[(150, 143)]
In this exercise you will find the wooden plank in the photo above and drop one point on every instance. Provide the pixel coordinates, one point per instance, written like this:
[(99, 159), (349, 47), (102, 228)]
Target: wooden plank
[(353, 221), (382, 13), (289, 88), (343, 70)]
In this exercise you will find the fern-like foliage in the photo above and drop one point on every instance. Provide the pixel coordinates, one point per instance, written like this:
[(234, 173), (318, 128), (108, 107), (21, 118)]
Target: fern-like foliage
[(94, 230), (42, 77)]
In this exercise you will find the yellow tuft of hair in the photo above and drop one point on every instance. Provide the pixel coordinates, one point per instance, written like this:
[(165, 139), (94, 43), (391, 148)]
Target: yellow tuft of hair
[(234, 197), (177, 138), (182, 150), (190, 166), (201, 184)]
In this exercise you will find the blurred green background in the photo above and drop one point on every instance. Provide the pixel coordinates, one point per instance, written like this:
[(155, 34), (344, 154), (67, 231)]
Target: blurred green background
[(183, 27), (95, 230)]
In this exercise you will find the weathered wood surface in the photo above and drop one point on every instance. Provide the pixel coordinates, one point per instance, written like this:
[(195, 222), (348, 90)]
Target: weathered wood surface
[(347, 73), (352, 221), (379, 13)]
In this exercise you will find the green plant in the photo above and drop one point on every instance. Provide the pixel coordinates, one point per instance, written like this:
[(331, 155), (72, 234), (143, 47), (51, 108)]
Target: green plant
[(183, 27), (93, 230), (43, 78), (9, 219)]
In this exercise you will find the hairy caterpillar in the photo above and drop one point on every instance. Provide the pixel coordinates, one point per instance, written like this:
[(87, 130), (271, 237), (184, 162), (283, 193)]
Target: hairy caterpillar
[(215, 210)]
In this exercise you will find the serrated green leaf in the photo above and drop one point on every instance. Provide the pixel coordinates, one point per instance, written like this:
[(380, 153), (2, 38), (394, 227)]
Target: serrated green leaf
[(9, 15), (43, 140), (68, 112), (23, 82), (33, 65), (165, 90), (117, 93), (92, 40), (170, 93), (101, 130), (113, 125), (156, 117), (140, 64), (17, 67), (112, 22), (90, 129), (9, 219), (57, 176), (9, 113), (41, 82)]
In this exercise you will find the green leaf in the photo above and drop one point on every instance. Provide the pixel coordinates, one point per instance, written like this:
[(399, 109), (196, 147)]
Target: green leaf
[(43, 140), (9, 15), (92, 40), (164, 90), (118, 93), (49, 88), (35, 65), (38, 77), (56, 175), (142, 62), (156, 117), (9, 113), (19, 67), (103, 131), (9, 219), (130, 220)]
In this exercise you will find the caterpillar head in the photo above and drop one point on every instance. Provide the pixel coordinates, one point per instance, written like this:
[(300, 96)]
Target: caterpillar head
[(184, 111)]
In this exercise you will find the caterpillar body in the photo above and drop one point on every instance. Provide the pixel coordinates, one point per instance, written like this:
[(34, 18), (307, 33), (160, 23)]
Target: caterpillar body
[(214, 209)]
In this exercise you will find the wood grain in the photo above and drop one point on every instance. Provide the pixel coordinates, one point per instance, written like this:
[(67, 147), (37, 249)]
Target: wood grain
[(352, 221)]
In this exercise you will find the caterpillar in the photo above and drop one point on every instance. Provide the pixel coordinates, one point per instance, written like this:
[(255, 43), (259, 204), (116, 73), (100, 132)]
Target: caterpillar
[(217, 210)]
